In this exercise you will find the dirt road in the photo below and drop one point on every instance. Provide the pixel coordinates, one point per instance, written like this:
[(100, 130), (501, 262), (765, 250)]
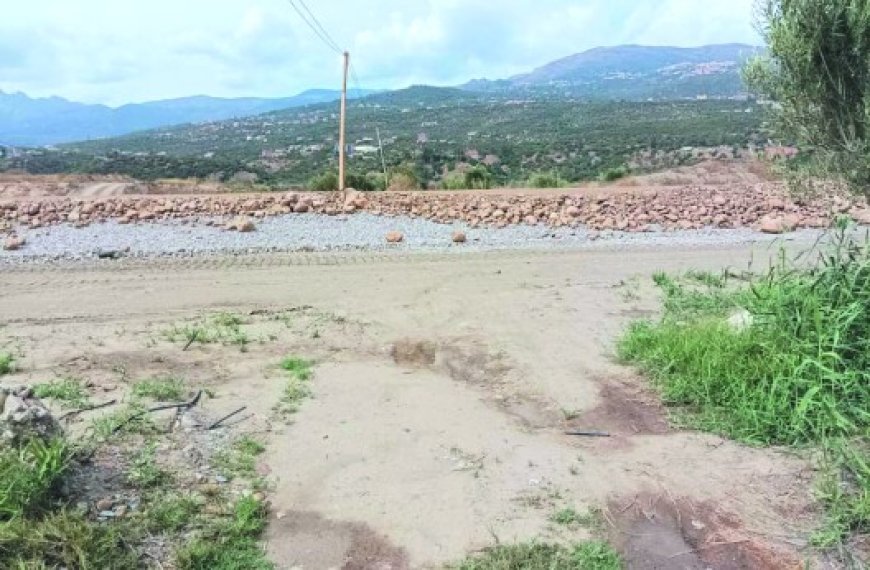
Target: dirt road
[(443, 387)]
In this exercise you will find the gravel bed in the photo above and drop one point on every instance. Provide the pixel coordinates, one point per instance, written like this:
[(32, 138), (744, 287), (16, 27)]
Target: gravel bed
[(359, 232)]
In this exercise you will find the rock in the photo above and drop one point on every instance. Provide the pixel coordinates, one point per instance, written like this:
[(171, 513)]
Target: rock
[(302, 208), (106, 504), (245, 225), (14, 243), (395, 237), (459, 237), (862, 217), (573, 211), (23, 417), (771, 225), (740, 321)]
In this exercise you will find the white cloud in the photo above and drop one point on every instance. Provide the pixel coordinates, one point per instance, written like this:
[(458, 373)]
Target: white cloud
[(115, 52)]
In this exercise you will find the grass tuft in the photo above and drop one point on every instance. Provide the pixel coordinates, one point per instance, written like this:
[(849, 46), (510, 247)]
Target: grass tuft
[(144, 472), (297, 388), (241, 459), (161, 389), (29, 474), (7, 363), (593, 555), (69, 391), (171, 513)]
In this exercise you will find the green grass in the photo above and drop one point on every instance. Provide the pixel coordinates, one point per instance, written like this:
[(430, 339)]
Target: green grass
[(297, 389), (171, 513), (229, 544), (104, 427), (225, 328), (7, 363), (69, 391), (571, 517), (144, 472), (161, 389), (241, 458), (592, 555), (29, 474), (64, 540), (798, 375)]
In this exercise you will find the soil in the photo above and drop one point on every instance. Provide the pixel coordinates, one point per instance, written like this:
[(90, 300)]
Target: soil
[(443, 388)]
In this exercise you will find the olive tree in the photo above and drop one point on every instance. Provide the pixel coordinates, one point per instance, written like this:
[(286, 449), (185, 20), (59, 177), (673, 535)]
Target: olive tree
[(816, 73)]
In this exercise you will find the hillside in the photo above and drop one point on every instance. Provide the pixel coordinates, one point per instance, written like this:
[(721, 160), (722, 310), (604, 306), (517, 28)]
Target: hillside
[(635, 72), (35, 122), (426, 131)]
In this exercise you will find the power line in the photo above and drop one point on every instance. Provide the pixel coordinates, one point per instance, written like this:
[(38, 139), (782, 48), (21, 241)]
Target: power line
[(324, 38), (319, 26)]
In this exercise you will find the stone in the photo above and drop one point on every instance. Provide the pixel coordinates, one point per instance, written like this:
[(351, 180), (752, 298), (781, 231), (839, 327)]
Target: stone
[(302, 208), (573, 211), (105, 504), (459, 237), (245, 225), (24, 417), (14, 243), (395, 237), (771, 225), (862, 217)]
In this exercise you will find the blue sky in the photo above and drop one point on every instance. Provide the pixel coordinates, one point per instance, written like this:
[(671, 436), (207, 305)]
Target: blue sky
[(119, 51)]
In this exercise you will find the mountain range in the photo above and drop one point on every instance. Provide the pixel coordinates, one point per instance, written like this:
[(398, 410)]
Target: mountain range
[(629, 72)]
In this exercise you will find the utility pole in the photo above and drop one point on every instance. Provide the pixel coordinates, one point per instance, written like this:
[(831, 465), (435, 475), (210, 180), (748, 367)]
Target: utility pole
[(342, 142), (383, 160)]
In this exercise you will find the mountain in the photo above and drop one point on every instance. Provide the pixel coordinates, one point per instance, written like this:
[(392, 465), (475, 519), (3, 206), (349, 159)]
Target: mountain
[(37, 122), (634, 72)]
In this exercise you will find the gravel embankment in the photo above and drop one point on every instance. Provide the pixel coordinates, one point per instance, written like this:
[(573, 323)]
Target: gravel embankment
[(359, 232)]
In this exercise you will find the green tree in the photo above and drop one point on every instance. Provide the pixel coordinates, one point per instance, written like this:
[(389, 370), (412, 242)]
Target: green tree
[(817, 72)]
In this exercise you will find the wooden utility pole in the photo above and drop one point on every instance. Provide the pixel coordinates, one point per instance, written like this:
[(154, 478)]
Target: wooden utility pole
[(342, 141)]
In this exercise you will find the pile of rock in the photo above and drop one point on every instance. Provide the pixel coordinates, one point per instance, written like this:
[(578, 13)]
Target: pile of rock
[(757, 206), (24, 417)]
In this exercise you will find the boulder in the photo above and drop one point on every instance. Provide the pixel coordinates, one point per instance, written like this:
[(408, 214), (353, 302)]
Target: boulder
[(395, 237), (459, 237), (14, 243), (23, 417)]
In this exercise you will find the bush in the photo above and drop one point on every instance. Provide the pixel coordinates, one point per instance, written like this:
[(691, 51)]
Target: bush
[(612, 174), (326, 182), (403, 182), (546, 180), (7, 363)]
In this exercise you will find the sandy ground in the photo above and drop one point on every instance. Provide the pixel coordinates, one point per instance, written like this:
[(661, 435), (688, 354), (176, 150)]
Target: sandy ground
[(443, 388)]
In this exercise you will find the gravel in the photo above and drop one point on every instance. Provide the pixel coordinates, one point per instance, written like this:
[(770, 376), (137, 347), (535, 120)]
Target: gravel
[(359, 232)]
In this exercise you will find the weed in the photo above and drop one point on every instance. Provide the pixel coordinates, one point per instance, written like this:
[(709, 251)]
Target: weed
[(299, 368), (162, 389), (171, 513), (570, 414), (297, 388), (144, 472), (64, 540), (571, 517), (105, 426), (7, 363), (798, 375), (229, 544), (223, 327), (29, 475), (69, 391), (536, 556), (241, 459)]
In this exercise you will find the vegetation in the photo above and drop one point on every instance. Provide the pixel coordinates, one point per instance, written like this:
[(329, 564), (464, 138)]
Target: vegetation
[(795, 372), (144, 471), (162, 389), (225, 328), (297, 388), (816, 71), (229, 544), (70, 391), (507, 141), (535, 556), (29, 475), (241, 458), (546, 180), (7, 363)]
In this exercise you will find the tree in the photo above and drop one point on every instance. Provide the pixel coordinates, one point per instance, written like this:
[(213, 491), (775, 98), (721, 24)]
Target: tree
[(817, 74)]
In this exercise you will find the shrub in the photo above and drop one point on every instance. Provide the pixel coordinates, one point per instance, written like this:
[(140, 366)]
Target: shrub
[(326, 182), (546, 180), (7, 362), (612, 174)]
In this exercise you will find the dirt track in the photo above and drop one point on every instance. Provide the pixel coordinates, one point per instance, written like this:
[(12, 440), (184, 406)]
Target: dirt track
[(413, 454)]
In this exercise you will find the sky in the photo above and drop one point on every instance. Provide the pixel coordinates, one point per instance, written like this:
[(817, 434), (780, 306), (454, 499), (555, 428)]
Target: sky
[(121, 51)]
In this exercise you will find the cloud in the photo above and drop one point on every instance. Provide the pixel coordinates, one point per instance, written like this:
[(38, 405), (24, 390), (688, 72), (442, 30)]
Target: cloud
[(116, 52)]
